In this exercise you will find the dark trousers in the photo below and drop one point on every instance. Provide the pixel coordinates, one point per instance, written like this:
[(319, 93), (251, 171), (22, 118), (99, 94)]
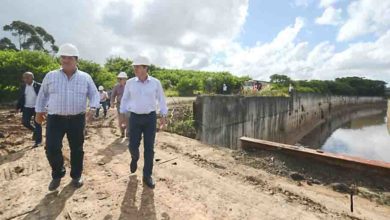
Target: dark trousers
[(27, 115), (73, 127), (105, 106), (143, 124)]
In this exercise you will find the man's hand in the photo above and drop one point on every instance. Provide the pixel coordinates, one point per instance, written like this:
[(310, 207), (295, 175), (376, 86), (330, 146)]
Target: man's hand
[(40, 117), (90, 114), (123, 122), (162, 122)]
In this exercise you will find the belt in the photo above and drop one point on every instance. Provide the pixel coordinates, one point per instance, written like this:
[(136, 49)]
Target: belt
[(150, 113), (68, 116)]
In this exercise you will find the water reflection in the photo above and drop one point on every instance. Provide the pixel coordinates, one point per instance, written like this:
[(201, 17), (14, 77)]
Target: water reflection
[(367, 135)]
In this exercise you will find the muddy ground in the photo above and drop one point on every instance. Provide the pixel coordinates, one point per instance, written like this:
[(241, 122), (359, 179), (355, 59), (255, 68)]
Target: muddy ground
[(194, 181)]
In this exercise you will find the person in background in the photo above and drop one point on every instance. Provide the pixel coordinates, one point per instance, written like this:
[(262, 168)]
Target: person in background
[(140, 97), (224, 89), (109, 92), (63, 96), (116, 96), (290, 89), (103, 102), (26, 104)]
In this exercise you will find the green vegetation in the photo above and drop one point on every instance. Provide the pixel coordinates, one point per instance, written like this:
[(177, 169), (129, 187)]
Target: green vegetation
[(191, 82), (180, 121), (175, 82), (357, 86)]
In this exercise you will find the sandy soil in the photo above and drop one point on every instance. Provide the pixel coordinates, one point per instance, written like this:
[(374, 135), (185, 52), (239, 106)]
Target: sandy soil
[(194, 181)]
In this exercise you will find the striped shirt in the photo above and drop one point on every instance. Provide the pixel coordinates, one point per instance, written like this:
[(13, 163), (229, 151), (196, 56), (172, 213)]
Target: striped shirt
[(63, 96), (141, 97)]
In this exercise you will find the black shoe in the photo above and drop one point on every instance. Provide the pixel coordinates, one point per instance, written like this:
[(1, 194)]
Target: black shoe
[(149, 182), (133, 166), (54, 184), (78, 182), (36, 145)]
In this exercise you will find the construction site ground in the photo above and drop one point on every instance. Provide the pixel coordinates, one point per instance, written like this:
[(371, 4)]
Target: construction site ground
[(193, 181)]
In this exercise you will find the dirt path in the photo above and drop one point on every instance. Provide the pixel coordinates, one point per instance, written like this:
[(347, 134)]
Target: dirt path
[(194, 181)]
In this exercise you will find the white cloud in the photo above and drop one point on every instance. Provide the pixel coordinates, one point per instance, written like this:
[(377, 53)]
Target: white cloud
[(331, 16), (286, 55), (366, 17), (327, 3), (302, 3), (174, 33)]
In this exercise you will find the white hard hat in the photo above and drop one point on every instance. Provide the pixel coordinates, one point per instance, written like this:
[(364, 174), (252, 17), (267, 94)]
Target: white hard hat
[(140, 60), (68, 50), (122, 75), (101, 88)]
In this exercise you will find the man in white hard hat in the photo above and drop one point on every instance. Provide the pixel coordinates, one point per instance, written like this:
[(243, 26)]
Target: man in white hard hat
[(26, 104), (103, 102), (116, 96), (63, 96), (139, 98)]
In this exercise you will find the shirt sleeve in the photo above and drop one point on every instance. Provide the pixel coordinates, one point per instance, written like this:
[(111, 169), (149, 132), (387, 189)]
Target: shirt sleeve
[(161, 100), (43, 96), (125, 98), (93, 94), (113, 94)]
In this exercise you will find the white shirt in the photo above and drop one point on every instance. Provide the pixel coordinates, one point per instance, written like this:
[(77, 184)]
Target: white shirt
[(31, 96), (103, 96), (64, 96), (142, 97)]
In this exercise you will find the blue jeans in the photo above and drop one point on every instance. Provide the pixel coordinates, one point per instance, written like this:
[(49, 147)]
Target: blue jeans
[(27, 114), (57, 127), (143, 124)]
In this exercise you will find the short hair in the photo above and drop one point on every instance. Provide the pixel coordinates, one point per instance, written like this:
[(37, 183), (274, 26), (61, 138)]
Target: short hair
[(29, 73)]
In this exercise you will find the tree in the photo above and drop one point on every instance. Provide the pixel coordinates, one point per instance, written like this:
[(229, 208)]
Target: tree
[(30, 37), (100, 75), (14, 63), (6, 44), (281, 80), (118, 64)]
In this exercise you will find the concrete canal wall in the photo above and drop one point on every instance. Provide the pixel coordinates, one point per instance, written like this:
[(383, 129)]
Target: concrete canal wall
[(222, 120)]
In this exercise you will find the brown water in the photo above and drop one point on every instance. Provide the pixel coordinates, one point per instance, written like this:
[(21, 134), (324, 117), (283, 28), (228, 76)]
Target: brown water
[(367, 137)]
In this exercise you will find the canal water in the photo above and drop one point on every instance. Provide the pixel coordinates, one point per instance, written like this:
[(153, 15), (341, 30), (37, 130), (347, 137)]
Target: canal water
[(367, 136)]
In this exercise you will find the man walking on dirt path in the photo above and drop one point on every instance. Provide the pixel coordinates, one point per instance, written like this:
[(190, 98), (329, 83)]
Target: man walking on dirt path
[(116, 96), (63, 97), (26, 104), (103, 102), (139, 98)]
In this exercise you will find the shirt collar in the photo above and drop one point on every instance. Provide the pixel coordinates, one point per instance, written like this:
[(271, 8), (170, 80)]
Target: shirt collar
[(77, 69), (32, 84), (138, 80)]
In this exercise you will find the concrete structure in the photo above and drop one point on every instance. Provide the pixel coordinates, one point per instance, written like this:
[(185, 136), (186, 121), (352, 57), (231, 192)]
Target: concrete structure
[(373, 166), (222, 120), (387, 92), (388, 116)]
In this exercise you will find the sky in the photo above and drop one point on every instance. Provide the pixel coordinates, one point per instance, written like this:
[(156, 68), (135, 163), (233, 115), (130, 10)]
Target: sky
[(304, 39)]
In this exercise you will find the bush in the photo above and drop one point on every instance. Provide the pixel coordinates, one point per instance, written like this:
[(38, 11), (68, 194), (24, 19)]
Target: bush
[(14, 63)]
